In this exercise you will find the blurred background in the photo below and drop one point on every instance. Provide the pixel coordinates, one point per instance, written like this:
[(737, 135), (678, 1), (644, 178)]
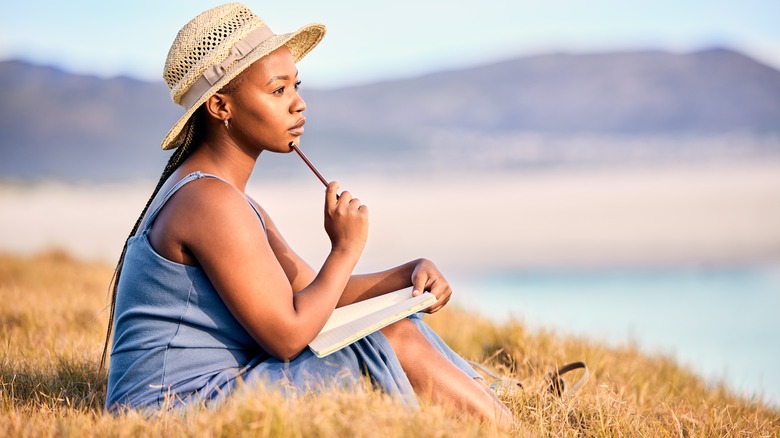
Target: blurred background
[(604, 168)]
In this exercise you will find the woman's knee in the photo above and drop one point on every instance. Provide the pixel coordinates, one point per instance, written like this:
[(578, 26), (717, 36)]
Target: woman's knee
[(405, 338)]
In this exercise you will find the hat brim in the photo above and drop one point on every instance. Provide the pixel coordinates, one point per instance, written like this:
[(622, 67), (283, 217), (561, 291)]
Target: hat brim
[(299, 42)]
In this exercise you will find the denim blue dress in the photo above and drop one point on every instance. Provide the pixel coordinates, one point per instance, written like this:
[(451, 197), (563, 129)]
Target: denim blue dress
[(175, 342)]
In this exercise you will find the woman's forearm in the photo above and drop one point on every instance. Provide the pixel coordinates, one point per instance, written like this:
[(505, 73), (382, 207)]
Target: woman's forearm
[(312, 303), (312, 306), (364, 286)]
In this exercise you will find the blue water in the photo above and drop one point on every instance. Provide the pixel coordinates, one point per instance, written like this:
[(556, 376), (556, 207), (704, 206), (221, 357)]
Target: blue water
[(722, 322)]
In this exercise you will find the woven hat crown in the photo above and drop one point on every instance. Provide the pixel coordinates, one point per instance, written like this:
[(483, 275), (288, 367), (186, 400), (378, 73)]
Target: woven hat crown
[(204, 41), (215, 47)]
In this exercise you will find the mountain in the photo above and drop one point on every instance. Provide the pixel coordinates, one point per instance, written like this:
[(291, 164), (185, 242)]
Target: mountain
[(709, 91), (59, 125), (542, 110)]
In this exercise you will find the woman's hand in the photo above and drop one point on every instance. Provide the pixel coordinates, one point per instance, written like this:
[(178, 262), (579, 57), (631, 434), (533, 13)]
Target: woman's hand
[(346, 220), (427, 278)]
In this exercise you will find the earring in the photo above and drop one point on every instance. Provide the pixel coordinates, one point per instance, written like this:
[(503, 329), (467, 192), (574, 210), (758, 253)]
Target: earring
[(227, 125)]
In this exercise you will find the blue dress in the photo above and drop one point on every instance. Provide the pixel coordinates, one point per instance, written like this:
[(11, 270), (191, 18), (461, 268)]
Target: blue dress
[(175, 342)]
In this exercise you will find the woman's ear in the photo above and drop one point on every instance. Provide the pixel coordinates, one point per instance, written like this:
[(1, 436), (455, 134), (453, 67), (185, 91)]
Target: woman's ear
[(218, 106)]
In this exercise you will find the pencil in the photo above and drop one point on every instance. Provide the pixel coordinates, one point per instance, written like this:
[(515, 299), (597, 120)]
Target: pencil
[(308, 163)]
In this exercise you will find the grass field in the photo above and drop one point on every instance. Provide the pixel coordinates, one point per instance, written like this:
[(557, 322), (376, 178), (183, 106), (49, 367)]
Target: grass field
[(52, 328)]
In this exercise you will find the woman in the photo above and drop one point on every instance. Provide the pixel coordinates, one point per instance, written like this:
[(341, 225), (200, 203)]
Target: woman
[(207, 291)]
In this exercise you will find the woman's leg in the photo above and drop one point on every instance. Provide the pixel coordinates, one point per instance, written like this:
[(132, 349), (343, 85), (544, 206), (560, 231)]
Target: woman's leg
[(435, 377)]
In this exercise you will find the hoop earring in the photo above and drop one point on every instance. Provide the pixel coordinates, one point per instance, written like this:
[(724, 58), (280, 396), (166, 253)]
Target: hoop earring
[(227, 125)]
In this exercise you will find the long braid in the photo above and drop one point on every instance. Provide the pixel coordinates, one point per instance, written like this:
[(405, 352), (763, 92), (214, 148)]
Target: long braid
[(176, 159)]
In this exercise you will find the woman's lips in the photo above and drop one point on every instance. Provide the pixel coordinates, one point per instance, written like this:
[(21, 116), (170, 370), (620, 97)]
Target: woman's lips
[(297, 129)]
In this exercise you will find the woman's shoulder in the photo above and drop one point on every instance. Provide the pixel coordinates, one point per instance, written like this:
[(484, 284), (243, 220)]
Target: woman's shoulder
[(192, 189), (201, 214), (207, 198)]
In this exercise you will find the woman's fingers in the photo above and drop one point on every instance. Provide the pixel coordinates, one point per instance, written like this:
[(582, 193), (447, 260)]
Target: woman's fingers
[(345, 197), (439, 304), (346, 218), (443, 294), (331, 195), (420, 284), (427, 278)]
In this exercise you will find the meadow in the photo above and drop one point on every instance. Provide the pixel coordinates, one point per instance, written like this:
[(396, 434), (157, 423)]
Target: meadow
[(52, 325)]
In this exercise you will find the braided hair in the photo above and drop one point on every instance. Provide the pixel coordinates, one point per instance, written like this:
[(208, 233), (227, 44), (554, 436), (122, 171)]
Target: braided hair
[(192, 137)]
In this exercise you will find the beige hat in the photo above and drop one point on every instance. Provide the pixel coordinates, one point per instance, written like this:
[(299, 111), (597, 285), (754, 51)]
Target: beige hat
[(213, 48)]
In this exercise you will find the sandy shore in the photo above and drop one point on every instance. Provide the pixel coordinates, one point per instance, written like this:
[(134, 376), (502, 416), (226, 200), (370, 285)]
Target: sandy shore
[(706, 214)]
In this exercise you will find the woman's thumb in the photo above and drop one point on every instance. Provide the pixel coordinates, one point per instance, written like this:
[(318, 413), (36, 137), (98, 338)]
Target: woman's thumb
[(418, 286)]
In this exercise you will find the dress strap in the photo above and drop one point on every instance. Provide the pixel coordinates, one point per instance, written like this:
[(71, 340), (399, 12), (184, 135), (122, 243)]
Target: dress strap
[(260, 216), (179, 184)]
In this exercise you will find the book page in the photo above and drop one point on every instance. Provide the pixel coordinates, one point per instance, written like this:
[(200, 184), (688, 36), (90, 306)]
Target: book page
[(349, 313), (361, 321)]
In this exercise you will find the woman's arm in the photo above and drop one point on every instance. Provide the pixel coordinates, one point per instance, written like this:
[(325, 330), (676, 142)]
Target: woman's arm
[(215, 225), (421, 273)]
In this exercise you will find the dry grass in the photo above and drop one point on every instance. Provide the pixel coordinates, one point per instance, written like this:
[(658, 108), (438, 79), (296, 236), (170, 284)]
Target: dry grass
[(52, 329)]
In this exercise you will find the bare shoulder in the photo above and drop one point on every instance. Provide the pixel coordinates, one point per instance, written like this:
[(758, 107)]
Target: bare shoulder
[(204, 213), (211, 198)]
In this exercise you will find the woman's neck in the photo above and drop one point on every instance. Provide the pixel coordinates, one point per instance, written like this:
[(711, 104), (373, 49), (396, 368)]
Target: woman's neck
[(228, 161)]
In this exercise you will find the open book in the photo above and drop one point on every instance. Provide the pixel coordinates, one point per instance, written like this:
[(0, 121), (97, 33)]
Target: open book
[(349, 323)]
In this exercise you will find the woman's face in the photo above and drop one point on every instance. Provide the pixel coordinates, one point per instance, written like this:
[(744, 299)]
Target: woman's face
[(266, 108)]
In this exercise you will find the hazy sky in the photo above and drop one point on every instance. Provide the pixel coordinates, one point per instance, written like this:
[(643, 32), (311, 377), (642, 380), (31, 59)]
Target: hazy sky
[(370, 40)]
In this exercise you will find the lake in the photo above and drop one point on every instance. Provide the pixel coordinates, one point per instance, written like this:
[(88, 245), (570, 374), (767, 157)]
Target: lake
[(722, 322)]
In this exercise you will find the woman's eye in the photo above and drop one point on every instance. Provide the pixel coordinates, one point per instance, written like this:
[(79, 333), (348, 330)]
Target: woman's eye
[(281, 89)]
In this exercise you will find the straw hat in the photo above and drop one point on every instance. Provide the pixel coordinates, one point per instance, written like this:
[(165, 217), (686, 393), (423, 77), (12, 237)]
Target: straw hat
[(213, 48)]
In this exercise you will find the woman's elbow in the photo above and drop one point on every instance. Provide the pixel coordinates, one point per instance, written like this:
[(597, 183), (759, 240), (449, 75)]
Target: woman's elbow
[(285, 343), (286, 352), (287, 356)]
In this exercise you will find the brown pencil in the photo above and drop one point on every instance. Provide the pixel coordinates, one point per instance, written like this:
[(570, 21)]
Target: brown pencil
[(308, 163)]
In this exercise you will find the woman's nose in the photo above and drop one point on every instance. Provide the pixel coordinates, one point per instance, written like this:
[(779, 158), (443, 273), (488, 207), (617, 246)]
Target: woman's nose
[(298, 104)]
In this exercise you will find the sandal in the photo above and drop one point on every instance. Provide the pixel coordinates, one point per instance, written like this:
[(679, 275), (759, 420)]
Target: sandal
[(504, 386)]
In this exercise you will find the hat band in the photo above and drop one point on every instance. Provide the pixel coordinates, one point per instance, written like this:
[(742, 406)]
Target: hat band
[(214, 73)]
